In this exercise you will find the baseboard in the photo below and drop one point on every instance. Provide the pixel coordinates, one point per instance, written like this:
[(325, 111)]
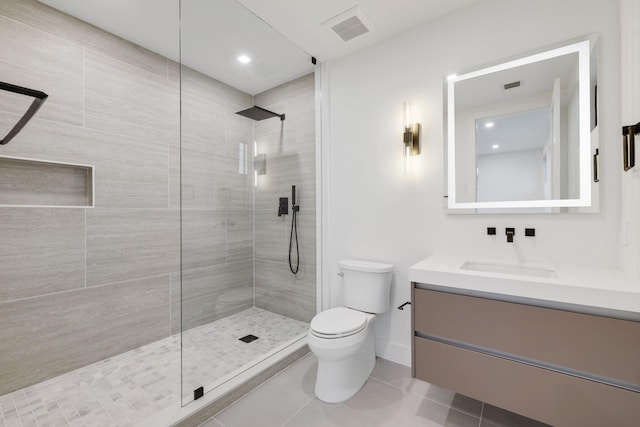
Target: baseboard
[(394, 352)]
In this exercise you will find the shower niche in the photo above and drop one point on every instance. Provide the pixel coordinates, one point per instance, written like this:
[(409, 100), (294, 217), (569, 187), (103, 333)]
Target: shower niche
[(41, 183)]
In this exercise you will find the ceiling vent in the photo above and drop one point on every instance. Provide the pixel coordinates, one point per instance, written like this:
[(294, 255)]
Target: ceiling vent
[(349, 24)]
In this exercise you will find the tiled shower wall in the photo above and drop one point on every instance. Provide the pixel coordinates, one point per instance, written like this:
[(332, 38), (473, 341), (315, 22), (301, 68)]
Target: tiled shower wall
[(217, 201), (80, 284), (290, 150)]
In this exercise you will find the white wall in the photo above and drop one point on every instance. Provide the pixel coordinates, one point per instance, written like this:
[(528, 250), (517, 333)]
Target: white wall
[(630, 230), (377, 213), (515, 175)]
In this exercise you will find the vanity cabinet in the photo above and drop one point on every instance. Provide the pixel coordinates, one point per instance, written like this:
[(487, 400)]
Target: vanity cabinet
[(560, 367)]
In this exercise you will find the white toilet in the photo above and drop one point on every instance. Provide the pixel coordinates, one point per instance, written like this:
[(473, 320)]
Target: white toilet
[(342, 338)]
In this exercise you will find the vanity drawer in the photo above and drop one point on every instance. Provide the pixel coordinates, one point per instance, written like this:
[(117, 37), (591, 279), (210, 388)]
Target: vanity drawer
[(598, 345), (551, 397)]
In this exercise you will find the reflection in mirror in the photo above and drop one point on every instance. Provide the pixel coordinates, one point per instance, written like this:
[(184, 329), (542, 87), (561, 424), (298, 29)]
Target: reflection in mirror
[(519, 133)]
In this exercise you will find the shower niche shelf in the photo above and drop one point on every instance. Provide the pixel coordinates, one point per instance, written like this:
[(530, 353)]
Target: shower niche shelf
[(42, 183)]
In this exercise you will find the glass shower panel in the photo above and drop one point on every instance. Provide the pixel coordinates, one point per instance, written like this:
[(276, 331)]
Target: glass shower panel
[(224, 328)]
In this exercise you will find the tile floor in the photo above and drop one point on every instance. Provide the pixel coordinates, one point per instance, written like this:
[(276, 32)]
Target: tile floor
[(390, 397), (126, 389), (212, 353)]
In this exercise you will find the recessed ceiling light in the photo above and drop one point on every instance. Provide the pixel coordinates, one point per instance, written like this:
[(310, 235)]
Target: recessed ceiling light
[(488, 125), (244, 59), (495, 146)]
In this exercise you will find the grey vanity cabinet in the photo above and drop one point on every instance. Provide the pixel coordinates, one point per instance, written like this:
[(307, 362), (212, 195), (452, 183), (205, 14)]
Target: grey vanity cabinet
[(562, 368)]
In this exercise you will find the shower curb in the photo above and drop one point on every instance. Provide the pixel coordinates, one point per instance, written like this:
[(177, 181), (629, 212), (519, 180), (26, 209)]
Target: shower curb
[(209, 411)]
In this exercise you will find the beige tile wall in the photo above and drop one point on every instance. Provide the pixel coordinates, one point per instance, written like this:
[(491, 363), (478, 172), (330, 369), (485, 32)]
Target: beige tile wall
[(290, 150), (79, 285), (217, 201)]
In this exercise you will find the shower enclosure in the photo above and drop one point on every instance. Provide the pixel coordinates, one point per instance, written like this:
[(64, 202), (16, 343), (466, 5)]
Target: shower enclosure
[(247, 135), (142, 259)]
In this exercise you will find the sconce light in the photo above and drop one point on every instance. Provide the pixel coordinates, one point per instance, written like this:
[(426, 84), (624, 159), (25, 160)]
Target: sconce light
[(411, 137)]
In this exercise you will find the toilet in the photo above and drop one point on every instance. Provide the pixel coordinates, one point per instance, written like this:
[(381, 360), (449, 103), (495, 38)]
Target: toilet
[(342, 338)]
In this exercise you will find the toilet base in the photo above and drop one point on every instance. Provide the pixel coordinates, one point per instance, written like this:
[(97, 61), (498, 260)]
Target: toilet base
[(339, 380)]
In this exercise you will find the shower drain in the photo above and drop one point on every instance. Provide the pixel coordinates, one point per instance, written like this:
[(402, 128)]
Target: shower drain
[(248, 338)]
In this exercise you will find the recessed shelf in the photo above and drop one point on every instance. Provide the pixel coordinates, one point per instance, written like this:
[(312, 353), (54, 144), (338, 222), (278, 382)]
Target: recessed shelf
[(43, 183)]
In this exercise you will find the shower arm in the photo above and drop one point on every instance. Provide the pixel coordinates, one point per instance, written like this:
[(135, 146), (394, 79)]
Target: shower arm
[(39, 99)]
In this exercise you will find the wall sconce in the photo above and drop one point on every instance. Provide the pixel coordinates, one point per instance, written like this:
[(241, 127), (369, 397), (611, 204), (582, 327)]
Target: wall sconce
[(411, 137)]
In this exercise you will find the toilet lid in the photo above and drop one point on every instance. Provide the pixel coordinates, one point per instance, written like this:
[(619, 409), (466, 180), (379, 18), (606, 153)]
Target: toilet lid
[(338, 321)]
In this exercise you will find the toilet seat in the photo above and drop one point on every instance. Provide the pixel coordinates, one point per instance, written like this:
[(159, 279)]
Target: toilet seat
[(338, 322)]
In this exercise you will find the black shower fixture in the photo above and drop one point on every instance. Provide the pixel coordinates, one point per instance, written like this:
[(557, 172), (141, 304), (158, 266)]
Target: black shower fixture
[(259, 113), (294, 234)]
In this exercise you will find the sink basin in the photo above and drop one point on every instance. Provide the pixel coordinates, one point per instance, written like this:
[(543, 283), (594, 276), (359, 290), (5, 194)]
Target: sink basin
[(520, 270)]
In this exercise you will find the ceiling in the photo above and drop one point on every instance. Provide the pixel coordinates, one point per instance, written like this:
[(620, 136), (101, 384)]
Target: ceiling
[(536, 79), (301, 20), (485, 96), (526, 130), (279, 36)]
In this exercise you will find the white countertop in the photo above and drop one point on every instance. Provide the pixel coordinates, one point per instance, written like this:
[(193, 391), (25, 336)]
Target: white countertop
[(595, 291)]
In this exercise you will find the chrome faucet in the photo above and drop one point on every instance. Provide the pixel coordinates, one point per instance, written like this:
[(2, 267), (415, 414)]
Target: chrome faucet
[(510, 234)]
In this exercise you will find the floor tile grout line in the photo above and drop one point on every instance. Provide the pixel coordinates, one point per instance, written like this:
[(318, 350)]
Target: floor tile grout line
[(389, 384), (55, 399), (259, 386), (101, 405), (427, 399), (2, 418), (481, 415), (31, 406), (298, 411), (28, 404), (15, 405), (8, 399)]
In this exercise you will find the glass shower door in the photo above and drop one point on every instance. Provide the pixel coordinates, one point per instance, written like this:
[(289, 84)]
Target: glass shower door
[(225, 329)]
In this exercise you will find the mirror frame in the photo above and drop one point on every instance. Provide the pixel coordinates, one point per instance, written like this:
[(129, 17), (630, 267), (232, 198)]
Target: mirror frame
[(583, 49)]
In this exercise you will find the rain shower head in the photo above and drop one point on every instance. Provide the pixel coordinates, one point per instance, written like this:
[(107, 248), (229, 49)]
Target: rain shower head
[(259, 113)]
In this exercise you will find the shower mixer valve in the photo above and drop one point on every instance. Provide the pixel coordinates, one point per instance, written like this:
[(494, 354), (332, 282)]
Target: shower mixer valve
[(283, 207)]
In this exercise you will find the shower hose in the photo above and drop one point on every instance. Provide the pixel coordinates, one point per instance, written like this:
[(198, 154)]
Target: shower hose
[(292, 236)]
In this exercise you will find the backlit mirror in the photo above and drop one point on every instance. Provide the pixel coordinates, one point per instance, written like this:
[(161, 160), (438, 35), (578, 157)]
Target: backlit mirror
[(519, 133)]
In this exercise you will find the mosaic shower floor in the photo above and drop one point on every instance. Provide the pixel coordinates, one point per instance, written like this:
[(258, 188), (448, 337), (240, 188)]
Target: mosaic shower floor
[(126, 389)]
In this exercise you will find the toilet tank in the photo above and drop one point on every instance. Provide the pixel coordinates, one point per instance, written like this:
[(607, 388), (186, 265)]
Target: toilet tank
[(367, 285)]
